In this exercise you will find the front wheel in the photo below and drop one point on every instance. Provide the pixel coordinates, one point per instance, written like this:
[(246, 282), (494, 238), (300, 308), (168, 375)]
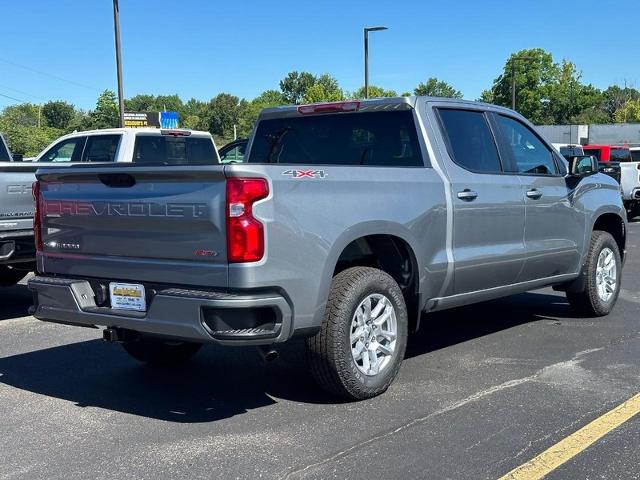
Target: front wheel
[(358, 351), (10, 276), (602, 275), (159, 352)]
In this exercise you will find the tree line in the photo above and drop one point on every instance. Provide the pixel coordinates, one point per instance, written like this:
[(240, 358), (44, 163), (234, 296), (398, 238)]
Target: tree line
[(547, 92)]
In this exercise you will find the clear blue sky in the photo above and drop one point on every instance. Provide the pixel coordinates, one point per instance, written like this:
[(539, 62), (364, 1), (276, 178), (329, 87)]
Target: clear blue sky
[(198, 48)]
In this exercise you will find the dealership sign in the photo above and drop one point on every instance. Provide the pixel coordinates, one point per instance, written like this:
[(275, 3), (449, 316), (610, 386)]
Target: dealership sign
[(151, 119)]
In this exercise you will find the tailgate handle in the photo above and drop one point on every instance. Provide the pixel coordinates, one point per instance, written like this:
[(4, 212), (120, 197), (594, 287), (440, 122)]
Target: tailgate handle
[(117, 180)]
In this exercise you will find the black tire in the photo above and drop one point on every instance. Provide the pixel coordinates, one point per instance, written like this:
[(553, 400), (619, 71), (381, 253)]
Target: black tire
[(329, 352), (587, 302), (10, 276), (159, 352)]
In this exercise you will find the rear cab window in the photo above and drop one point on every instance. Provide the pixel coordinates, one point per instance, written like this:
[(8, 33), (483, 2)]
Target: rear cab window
[(620, 155), (387, 139), (174, 150)]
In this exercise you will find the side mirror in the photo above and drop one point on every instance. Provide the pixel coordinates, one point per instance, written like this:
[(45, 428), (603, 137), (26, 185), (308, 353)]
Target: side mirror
[(17, 157), (583, 165)]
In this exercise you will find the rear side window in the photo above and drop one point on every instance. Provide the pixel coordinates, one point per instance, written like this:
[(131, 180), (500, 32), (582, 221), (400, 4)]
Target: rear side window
[(101, 148), (531, 156), (635, 155), (375, 139), (171, 150), (470, 140)]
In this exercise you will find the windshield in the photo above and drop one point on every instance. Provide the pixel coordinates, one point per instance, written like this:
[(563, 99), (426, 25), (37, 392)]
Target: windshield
[(376, 138), (172, 150)]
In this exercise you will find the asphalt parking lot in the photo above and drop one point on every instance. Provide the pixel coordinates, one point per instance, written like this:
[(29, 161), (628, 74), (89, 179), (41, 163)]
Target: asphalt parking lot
[(483, 390)]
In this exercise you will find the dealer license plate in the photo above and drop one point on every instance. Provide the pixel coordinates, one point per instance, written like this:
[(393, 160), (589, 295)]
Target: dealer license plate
[(127, 296)]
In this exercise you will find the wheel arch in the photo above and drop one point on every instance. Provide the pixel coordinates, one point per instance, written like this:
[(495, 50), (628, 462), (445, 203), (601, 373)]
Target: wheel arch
[(384, 245)]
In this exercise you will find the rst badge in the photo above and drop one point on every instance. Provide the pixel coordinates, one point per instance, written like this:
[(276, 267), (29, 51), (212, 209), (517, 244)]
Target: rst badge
[(305, 173)]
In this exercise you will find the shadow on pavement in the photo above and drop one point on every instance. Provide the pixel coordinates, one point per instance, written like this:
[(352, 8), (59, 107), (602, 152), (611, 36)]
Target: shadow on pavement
[(221, 382), (14, 302), (449, 327)]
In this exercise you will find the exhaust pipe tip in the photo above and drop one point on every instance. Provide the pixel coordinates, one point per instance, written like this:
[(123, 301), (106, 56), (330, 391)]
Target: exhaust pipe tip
[(268, 353)]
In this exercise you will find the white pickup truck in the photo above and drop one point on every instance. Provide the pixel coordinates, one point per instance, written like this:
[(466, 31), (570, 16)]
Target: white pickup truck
[(631, 183), (118, 145)]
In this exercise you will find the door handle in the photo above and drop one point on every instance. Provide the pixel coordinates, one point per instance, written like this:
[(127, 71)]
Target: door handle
[(534, 194), (467, 195)]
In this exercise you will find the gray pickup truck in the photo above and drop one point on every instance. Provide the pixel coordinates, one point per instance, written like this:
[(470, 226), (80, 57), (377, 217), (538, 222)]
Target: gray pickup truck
[(17, 251), (345, 223)]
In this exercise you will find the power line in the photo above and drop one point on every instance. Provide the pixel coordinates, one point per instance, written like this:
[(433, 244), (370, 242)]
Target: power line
[(23, 92), (40, 72), (13, 98)]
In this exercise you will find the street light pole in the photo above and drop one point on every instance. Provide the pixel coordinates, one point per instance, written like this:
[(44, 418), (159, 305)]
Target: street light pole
[(366, 56), (116, 26)]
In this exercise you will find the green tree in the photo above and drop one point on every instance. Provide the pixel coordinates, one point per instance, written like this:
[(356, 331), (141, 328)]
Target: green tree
[(566, 97), (374, 92), (614, 98), (23, 114), (437, 88), (249, 114), (295, 85), (106, 113), (629, 112), (58, 114), (222, 113), (534, 70)]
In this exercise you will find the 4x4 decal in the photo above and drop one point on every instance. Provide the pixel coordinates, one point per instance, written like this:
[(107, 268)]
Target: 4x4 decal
[(305, 173)]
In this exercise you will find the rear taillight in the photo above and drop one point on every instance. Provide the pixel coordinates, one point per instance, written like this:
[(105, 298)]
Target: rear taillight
[(37, 216), (245, 234)]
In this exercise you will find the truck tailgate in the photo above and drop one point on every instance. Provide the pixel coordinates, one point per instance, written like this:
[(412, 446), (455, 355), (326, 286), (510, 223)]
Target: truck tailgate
[(16, 201), (156, 224)]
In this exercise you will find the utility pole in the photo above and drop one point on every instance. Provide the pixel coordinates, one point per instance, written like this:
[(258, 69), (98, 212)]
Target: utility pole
[(513, 78), (366, 56), (116, 26)]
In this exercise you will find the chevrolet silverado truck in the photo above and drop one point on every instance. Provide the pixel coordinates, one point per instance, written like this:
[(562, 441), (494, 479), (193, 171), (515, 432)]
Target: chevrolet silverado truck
[(119, 145), (17, 250), (345, 222)]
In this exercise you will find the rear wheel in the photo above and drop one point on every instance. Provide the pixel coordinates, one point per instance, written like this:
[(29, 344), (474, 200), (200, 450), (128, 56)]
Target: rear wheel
[(358, 351), (602, 274), (9, 276), (161, 352)]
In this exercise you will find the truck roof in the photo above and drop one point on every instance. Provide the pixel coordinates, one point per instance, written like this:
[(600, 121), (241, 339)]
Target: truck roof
[(383, 103), (146, 130)]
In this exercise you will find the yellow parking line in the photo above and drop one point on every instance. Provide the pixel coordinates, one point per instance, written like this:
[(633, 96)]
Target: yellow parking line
[(575, 443)]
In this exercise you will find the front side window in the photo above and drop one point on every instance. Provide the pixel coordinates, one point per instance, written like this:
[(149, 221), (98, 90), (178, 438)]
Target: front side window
[(101, 148), (470, 140), (364, 138), (531, 156), (234, 155), (66, 151)]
